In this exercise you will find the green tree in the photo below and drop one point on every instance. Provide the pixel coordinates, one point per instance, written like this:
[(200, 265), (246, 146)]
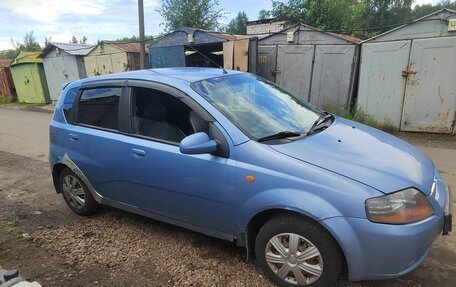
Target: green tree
[(47, 40), (134, 38), (264, 14), (238, 25), (203, 14), (29, 43), (8, 54), (425, 9), (323, 14), (382, 15), (75, 40)]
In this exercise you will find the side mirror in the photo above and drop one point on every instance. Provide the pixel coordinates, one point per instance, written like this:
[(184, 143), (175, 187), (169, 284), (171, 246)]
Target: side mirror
[(197, 143)]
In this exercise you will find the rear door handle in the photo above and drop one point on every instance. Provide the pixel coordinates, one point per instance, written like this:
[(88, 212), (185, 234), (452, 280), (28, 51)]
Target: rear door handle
[(138, 152), (74, 137)]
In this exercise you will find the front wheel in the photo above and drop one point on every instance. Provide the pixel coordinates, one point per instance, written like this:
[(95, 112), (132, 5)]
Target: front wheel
[(294, 251)]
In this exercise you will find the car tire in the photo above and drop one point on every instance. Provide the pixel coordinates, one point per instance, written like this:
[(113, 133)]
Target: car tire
[(315, 260), (76, 193)]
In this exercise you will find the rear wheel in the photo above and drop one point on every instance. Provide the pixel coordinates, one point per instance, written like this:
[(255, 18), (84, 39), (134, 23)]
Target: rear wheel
[(76, 193), (294, 251)]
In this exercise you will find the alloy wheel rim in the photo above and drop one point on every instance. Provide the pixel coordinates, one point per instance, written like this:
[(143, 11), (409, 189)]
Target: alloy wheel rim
[(74, 191), (294, 259)]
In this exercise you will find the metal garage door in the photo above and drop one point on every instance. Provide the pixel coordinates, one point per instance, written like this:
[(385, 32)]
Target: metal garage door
[(267, 62), (381, 85), (430, 94), (294, 68), (331, 76), (104, 64)]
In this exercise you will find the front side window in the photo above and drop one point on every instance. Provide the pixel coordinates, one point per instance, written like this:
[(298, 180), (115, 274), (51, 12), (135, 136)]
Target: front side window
[(100, 107), (164, 117), (257, 107)]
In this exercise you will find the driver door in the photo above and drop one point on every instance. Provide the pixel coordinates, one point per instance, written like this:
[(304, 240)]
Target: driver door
[(193, 189)]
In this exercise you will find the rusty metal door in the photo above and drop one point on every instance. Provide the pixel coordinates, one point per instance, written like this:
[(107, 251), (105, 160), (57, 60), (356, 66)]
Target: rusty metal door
[(381, 85), (267, 62), (294, 68), (331, 76), (430, 93)]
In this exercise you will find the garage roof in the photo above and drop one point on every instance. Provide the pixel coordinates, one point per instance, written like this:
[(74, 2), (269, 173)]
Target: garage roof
[(70, 48)]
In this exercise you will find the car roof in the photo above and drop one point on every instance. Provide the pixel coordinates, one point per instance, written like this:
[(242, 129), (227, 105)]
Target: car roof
[(163, 75), (193, 74)]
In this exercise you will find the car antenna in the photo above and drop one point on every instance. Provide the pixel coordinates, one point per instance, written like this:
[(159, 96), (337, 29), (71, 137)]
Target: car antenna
[(210, 60)]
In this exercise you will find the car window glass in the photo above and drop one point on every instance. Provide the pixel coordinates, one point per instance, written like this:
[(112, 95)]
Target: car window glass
[(68, 102), (257, 107), (159, 115), (99, 107)]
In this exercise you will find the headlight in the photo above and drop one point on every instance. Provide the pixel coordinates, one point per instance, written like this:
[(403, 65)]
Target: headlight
[(402, 207)]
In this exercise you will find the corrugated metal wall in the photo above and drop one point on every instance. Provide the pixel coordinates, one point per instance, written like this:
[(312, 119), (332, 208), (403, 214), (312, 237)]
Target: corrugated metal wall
[(316, 66), (410, 83)]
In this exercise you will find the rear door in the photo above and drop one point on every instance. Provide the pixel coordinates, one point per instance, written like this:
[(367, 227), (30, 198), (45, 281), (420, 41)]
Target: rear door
[(94, 141)]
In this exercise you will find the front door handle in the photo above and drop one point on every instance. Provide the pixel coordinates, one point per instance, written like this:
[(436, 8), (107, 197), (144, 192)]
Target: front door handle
[(73, 137), (138, 152)]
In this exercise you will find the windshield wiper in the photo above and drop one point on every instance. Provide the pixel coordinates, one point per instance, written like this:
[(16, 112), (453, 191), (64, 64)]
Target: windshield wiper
[(320, 123), (280, 135)]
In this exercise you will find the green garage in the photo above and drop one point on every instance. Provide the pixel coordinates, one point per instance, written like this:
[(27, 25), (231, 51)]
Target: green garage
[(29, 79)]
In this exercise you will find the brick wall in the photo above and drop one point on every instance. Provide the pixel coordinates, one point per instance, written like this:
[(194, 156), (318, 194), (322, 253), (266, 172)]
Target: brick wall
[(264, 29)]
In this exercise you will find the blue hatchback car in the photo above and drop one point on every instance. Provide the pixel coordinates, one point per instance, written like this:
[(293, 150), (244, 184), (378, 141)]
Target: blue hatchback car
[(233, 156)]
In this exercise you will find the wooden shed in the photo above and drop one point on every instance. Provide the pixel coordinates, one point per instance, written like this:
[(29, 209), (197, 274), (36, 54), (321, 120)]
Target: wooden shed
[(7, 89), (318, 66), (177, 49), (63, 63), (110, 57), (29, 78)]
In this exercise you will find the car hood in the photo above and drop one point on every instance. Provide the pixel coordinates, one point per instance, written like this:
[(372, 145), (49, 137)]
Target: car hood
[(366, 155)]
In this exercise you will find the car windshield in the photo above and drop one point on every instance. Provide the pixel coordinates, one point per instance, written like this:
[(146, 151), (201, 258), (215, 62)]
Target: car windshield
[(259, 108)]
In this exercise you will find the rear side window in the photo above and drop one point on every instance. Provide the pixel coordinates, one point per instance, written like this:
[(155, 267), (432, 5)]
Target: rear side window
[(100, 107), (68, 103)]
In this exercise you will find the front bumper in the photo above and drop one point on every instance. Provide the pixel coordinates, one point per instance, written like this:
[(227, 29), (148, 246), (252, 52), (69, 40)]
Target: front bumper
[(382, 251), (447, 216)]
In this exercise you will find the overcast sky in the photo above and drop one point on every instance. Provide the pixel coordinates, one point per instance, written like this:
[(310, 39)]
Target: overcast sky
[(96, 19)]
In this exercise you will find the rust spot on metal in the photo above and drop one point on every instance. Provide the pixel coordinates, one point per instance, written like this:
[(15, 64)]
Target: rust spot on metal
[(408, 71), (444, 116), (442, 99)]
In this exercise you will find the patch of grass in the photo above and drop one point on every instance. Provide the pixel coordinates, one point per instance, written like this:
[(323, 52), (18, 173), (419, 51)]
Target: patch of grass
[(361, 116), (5, 101), (10, 227), (30, 104), (426, 137)]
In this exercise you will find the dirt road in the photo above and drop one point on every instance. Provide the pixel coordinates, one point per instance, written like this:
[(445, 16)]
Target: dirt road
[(47, 243)]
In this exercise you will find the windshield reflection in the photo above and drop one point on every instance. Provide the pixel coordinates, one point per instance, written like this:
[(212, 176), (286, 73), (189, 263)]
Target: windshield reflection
[(259, 108)]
